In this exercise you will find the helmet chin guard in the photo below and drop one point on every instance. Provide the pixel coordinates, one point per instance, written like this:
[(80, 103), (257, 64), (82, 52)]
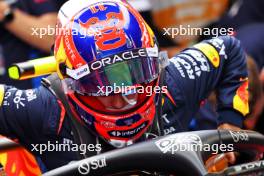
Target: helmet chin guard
[(118, 130)]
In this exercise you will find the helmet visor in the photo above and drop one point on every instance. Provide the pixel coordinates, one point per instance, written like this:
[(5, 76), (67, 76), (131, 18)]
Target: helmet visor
[(121, 77)]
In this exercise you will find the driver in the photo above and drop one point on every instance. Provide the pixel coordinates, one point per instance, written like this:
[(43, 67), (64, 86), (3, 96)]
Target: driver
[(114, 88)]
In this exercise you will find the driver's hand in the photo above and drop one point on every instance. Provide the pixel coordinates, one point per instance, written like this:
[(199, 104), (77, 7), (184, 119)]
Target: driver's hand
[(231, 156), (3, 8)]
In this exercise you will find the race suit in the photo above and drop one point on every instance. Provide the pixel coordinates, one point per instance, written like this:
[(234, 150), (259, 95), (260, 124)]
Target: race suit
[(35, 116)]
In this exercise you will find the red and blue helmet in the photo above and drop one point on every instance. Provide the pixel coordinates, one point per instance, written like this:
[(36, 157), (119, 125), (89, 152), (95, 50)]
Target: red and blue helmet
[(106, 53)]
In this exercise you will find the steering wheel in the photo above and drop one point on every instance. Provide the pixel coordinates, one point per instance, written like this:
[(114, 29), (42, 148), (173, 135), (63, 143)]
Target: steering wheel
[(159, 155)]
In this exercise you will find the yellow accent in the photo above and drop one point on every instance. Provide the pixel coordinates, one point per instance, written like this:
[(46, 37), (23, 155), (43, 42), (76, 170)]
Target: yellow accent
[(13, 72), (13, 168), (151, 34), (210, 52), (41, 66), (3, 158), (44, 66), (68, 64), (21, 173), (2, 94), (61, 54), (240, 106), (240, 100), (61, 57), (163, 101)]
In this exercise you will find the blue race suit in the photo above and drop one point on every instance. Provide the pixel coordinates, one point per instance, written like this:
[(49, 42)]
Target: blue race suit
[(35, 116)]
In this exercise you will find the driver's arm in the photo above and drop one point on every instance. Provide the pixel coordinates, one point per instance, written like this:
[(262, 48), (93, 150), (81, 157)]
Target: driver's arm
[(27, 114), (232, 86), (217, 64)]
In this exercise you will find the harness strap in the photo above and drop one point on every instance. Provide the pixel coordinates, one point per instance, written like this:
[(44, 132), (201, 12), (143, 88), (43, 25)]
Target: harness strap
[(81, 135)]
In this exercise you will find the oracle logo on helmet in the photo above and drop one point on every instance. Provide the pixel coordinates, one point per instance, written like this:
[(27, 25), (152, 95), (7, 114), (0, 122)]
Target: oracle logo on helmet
[(125, 56)]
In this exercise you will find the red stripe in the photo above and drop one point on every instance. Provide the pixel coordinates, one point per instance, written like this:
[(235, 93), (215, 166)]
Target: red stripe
[(93, 9), (102, 8), (170, 97), (71, 51), (40, 1), (62, 115)]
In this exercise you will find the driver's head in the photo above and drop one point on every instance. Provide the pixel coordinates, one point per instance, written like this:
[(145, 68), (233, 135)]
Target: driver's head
[(107, 55)]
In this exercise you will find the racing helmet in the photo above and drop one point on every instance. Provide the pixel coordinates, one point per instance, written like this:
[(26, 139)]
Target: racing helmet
[(107, 56)]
